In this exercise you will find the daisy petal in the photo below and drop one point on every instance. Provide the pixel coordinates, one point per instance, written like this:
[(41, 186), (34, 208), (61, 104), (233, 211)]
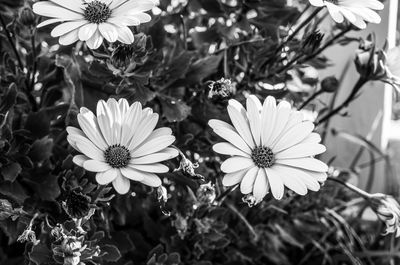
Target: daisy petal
[(231, 179), (268, 118), (167, 153), (254, 115), (228, 149), (80, 159), (304, 163), (153, 168), (293, 136), (132, 174), (239, 120), (301, 150), (151, 180), (236, 163), (87, 31), (96, 166), (69, 38), (153, 146), (247, 183), (275, 182), (104, 178), (261, 186), (95, 41), (121, 184), (108, 31)]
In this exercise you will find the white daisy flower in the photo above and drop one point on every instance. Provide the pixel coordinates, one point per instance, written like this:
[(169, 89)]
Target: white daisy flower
[(120, 144), (355, 11), (271, 147), (93, 20)]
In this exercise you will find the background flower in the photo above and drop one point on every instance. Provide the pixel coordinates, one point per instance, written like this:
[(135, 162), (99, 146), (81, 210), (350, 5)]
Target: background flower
[(271, 147), (120, 144), (93, 21), (355, 11)]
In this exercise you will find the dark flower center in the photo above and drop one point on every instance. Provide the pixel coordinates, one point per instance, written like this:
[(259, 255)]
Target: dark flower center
[(117, 156), (263, 156), (96, 12)]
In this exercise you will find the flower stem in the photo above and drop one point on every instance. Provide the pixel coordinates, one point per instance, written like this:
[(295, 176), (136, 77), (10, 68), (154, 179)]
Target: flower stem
[(311, 98), (360, 83), (351, 187), (241, 217)]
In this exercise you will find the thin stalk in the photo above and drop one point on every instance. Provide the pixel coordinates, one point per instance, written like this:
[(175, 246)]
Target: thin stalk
[(11, 41), (241, 217), (223, 195), (311, 98), (351, 187), (360, 83)]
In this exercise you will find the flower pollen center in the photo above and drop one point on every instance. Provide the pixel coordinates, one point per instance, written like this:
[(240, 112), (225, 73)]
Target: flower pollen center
[(96, 12), (263, 156), (117, 156)]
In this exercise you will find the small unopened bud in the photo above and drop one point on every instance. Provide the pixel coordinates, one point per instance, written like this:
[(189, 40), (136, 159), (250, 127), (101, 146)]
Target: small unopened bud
[(330, 84), (26, 17), (312, 42), (206, 193), (221, 89)]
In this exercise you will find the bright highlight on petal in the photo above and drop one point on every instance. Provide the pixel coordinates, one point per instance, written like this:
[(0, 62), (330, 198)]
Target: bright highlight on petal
[(357, 12), (93, 21), (271, 148), (120, 144)]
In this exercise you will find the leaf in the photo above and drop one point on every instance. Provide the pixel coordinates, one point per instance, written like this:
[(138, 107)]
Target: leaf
[(13, 190), (40, 254), (174, 110), (111, 253), (38, 123), (10, 172), (9, 99), (202, 68), (41, 150)]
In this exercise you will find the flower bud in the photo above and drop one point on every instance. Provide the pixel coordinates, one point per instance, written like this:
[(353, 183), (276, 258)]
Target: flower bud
[(330, 84), (312, 42), (26, 17), (77, 205)]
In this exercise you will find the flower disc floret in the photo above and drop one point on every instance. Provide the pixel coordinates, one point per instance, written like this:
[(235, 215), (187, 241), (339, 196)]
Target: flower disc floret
[(96, 12)]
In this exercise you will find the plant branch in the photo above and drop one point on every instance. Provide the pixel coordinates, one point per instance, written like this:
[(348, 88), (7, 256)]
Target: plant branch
[(360, 83), (11, 41), (244, 220), (311, 98), (351, 187)]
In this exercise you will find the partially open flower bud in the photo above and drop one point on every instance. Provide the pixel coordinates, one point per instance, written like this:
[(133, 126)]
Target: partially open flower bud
[(371, 62), (330, 84)]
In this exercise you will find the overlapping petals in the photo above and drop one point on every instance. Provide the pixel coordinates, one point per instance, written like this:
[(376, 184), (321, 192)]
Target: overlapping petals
[(130, 127), (276, 128), (75, 26), (356, 12)]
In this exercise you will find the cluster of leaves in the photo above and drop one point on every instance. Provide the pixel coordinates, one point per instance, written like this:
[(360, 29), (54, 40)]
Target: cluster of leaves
[(53, 212)]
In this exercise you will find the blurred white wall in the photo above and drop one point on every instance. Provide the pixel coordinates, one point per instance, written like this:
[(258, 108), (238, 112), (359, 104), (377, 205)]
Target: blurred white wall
[(364, 110)]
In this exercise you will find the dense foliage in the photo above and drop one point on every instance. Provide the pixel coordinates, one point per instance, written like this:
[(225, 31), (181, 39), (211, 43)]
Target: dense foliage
[(53, 211)]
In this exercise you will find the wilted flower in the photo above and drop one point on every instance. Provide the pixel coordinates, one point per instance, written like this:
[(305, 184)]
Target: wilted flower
[(271, 147), (222, 88), (120, 144), (93, 21), (312, 42), (28, 236), (187, 167), (355, 11), (330, 84), (77, 205), (388, 210), (206, 193)]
